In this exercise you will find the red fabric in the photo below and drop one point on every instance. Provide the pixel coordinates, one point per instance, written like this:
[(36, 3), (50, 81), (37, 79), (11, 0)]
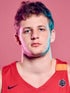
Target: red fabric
[(11, 78)]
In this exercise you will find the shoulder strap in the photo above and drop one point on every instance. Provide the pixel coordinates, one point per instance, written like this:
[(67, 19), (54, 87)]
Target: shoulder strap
[(60, 65)]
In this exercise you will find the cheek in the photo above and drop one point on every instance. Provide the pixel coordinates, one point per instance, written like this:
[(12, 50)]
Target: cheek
[(44, 38), (25, 41)]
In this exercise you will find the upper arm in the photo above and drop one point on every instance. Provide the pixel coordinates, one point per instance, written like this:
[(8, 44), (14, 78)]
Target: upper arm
[(0, 81), (69, 73)]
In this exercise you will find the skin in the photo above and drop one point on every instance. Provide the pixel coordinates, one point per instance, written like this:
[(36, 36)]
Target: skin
[(35, 30), (37, 64), (36, 58)]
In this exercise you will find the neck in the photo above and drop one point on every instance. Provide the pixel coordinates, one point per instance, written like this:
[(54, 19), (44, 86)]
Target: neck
[(37, 65)]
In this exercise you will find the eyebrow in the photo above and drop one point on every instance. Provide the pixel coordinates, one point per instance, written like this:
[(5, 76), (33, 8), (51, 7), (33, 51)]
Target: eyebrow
[(30, 27), (41, 26), (26, 28)]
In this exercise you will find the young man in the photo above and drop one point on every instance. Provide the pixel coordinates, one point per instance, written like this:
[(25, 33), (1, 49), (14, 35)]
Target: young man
[(38, 71)]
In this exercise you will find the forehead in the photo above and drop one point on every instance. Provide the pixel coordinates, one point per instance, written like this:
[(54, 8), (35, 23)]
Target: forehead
[(34, 20)]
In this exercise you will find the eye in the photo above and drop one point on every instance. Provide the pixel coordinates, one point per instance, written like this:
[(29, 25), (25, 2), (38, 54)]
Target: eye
[(42, 29), (27, 31)]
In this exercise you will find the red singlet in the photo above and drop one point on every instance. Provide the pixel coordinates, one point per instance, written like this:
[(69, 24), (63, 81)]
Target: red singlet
[(13, 83)]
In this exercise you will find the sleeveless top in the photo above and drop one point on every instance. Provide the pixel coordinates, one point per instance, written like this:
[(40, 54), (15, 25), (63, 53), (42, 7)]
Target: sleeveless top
[(12, 82)]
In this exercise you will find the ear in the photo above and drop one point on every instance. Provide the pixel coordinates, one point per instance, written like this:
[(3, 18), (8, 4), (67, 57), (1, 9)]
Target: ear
[(18, 40), (52, 35)]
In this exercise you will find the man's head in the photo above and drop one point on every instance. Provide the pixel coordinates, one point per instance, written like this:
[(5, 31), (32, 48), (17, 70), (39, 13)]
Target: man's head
[(34, 28)]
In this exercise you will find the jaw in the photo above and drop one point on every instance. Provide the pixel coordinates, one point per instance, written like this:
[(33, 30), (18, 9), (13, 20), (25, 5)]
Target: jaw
[(36, 53)]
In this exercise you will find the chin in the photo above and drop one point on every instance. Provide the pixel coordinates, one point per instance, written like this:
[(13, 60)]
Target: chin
[(33, 55)]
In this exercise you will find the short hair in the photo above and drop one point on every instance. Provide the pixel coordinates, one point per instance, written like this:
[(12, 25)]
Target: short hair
[(28, 8)]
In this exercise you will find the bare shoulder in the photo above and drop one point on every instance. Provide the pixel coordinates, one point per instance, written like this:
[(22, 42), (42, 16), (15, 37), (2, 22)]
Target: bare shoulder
[(0, 80), (68, 67)]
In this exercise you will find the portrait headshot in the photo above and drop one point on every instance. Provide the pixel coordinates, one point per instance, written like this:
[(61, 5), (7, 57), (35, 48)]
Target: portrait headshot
[(35, 46)]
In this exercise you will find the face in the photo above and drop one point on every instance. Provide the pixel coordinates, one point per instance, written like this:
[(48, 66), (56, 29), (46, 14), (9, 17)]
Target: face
[(35, 36)]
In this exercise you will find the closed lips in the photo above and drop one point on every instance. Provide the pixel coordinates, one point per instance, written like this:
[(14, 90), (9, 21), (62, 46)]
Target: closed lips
[(35, 44)]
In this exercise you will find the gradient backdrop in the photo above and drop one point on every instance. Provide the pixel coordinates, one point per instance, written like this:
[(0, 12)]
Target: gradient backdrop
[(10, 51)]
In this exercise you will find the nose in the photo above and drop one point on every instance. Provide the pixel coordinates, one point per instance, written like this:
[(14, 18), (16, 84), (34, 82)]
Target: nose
[(35, 35)]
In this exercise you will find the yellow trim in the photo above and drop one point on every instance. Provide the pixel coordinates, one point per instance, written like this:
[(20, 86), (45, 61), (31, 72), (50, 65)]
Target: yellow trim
[(61, 67)]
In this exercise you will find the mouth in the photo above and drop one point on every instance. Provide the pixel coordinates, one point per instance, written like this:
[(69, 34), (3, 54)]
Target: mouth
[(35, 44)]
